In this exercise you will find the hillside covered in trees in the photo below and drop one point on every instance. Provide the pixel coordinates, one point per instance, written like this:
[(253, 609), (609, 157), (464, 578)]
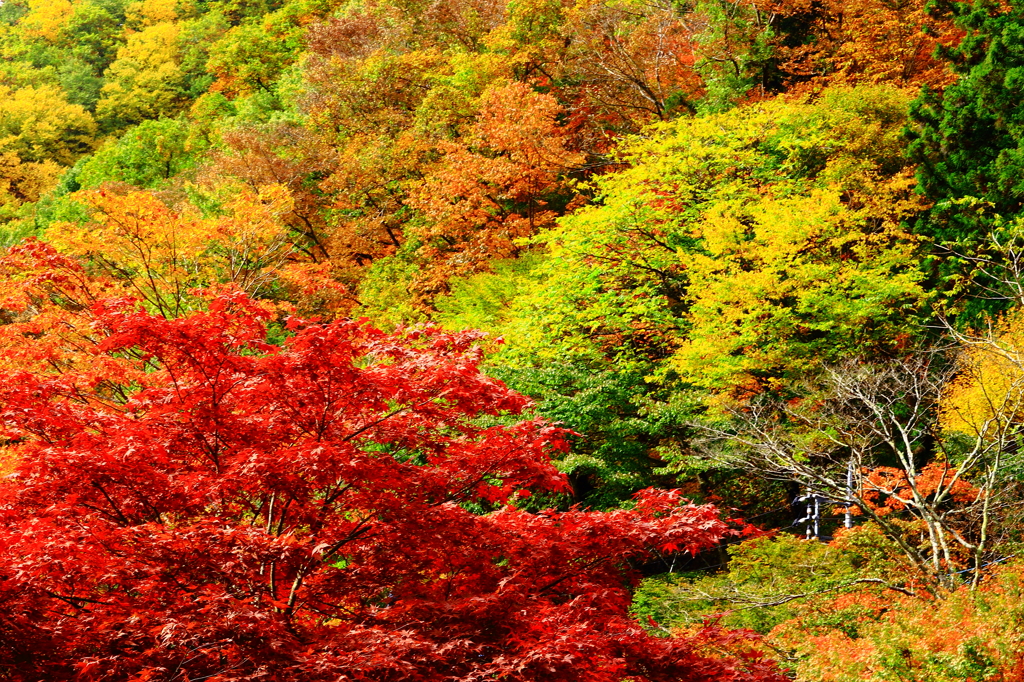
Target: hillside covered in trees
[(519, 340)]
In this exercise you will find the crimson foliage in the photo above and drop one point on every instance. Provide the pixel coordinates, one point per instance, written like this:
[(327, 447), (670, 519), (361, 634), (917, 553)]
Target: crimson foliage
[(200, 504)]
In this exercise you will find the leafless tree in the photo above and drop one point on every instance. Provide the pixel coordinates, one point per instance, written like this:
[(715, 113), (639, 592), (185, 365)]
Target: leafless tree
[(863, 416)]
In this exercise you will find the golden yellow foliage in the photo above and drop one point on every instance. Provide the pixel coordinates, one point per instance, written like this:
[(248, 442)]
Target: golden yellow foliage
[(46, 18), (162, 255), (784, 268), (38, 123), (145, 80), (150, 12), (23, 182), (251, 242), (988, 392), (8, 460)]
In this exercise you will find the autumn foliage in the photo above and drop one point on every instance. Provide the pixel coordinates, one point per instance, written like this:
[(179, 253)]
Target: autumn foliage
[(340, 506), (766, 252), (887, 489)]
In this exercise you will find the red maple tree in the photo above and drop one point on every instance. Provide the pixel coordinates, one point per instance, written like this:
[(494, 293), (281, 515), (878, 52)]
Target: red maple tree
[(210, 506)]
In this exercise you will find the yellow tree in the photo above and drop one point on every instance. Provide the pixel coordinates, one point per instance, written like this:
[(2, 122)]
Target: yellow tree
[(40, 134), (151, 12), (24, 182), (161, 255), (46, 18), (145, 81), (989, 387), (38, 123)]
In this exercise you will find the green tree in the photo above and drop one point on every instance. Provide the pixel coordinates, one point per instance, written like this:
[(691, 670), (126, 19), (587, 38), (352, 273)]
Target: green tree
[(252, 55), (774, 579), (968, 140), (95, 32), (148, 154)]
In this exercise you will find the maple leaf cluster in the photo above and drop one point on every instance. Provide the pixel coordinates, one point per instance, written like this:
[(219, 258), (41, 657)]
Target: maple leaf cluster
[(203, 504)]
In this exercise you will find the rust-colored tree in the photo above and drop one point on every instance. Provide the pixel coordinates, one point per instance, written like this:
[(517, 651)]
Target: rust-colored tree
[(206, 505), (44, 304), (491, 187), (866, 41)]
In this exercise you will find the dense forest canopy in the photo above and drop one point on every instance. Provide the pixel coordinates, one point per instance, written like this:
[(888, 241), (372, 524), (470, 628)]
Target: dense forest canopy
[(412, 340)]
